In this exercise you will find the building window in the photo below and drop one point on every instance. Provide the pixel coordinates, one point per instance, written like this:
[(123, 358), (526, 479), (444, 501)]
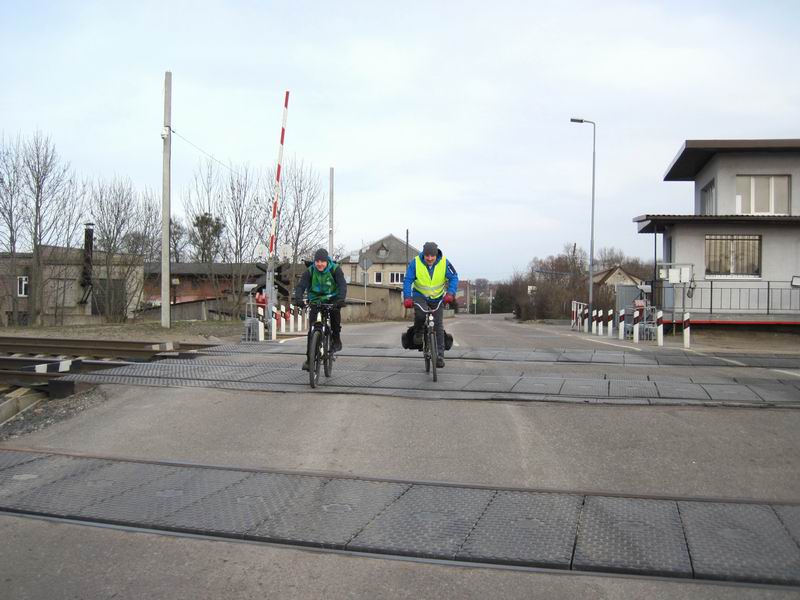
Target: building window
[(708, 199), (396, 277), (733, 255), (762, 194), (379, 277), (22, 286)]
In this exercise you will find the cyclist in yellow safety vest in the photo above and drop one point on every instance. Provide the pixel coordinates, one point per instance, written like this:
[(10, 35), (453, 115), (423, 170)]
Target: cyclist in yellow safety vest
[(429, 277)]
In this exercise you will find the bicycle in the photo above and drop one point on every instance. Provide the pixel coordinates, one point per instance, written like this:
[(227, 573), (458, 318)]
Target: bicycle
[(319, 349), (429, 349)]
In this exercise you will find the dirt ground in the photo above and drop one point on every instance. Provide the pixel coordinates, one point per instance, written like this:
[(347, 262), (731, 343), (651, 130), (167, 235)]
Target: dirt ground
[(181, 331), (743, 340)]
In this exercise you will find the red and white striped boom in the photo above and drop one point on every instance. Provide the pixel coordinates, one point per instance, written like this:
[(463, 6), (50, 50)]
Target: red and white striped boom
[(273, 242)]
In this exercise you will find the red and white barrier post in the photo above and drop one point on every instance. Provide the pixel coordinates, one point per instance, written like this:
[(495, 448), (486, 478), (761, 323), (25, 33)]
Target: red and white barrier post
[(687, 330), (610, 322), (621, 324), (273, 324), (284, 318), (600, 322), (636, 326), (300, 327), (594, 321), (291, 316), (660, 328), (585, 320)]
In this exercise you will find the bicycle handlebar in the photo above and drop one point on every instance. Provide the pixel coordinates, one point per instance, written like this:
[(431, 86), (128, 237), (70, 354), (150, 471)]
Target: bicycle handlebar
[(429, 309)]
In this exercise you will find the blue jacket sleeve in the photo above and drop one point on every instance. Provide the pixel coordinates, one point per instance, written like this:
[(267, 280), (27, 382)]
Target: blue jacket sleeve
[(411, 275), (452, 278)]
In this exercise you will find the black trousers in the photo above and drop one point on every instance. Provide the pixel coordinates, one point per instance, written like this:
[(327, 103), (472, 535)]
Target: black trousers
[(336, 322), (419, 323)]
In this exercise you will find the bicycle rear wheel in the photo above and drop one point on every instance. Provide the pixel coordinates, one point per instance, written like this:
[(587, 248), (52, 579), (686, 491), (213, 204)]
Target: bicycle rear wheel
[(327, 358), (314, 358), (434, 354)]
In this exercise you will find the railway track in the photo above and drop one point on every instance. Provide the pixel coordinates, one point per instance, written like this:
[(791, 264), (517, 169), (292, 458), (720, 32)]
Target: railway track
[(32, 367)]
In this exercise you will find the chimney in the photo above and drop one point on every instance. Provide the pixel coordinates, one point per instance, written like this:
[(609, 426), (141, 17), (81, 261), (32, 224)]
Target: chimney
[(88, 246)]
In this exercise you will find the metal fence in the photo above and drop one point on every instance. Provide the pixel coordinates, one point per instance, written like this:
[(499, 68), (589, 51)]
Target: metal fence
[(729, 296)]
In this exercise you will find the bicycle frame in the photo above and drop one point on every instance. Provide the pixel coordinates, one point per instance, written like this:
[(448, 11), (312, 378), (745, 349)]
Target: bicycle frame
[(428, 332)]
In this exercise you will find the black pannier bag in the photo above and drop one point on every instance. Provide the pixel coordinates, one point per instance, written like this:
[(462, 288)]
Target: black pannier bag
[(407, 340)]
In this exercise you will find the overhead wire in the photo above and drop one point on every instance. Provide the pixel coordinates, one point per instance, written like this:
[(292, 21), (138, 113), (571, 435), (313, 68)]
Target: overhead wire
[(199, 149)]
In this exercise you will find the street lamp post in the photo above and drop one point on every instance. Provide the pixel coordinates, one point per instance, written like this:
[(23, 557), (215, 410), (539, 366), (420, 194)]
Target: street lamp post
[(591, 242)]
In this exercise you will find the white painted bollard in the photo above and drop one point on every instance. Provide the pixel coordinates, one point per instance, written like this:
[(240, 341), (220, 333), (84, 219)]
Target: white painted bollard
[(260, 330), (585, 320), (621, 324), (687, 330), (610, 322), (300, 327), (594, 322), (273, 325), (291, 318), (282, 317), (600, 322), (660, 328), (636, 327)]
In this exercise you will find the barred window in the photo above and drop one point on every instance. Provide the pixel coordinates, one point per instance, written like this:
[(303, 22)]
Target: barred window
[(733, 255)]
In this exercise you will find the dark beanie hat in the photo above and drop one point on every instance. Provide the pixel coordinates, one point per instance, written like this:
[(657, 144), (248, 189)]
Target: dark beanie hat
[(430, 249), (321, 254)]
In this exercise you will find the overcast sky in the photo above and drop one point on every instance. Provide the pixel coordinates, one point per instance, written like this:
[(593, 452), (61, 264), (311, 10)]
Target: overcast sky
[(450, 119)]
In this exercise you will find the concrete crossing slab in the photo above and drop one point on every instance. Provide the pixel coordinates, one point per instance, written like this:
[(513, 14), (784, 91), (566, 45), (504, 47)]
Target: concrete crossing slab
[(427, 521), (526, 528), (627, 535), (740, 542)]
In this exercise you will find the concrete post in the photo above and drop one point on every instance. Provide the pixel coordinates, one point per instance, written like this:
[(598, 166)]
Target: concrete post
[(594, 321), (273, 326), (291, 318), (600, 322), (260, 330), (687, 330), (660, 328), (610, 322), (300, 327), (636, 326), (621, 324), (585, 320)]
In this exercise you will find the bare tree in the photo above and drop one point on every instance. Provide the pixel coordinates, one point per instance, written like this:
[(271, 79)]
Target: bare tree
[(304, 215), (241, 209), (121, 220), (13, 217), (205, 227), (178, 240), (55, 203)]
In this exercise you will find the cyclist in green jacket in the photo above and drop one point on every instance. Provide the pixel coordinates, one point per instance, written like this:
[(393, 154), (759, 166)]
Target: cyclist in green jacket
[(325, 284)]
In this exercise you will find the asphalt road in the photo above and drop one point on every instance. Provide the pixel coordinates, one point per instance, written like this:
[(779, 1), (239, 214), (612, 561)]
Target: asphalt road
[(636, 450)]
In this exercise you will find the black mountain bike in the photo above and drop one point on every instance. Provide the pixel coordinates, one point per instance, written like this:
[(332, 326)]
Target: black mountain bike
[(429, 351), (319, 350)]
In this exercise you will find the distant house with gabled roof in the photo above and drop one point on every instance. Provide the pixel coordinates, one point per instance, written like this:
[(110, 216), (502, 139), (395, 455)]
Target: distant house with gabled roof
[(387, 259)]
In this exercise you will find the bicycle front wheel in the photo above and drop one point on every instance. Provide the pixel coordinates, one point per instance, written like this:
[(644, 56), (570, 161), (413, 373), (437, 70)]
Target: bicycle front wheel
[(314, 358), (426, 351), (327, 359), (434, 353)]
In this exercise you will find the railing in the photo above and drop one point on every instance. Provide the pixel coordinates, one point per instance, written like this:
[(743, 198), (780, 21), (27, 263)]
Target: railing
[(576, 314), (730, 296)]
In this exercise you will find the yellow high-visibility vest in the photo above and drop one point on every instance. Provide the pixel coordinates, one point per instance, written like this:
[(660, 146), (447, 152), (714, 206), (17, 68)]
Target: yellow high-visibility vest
[(427, 285)]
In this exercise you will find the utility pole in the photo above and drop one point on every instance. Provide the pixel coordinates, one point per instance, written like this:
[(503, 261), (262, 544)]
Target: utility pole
[(330, 217), (166, 135), (406, 247)]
